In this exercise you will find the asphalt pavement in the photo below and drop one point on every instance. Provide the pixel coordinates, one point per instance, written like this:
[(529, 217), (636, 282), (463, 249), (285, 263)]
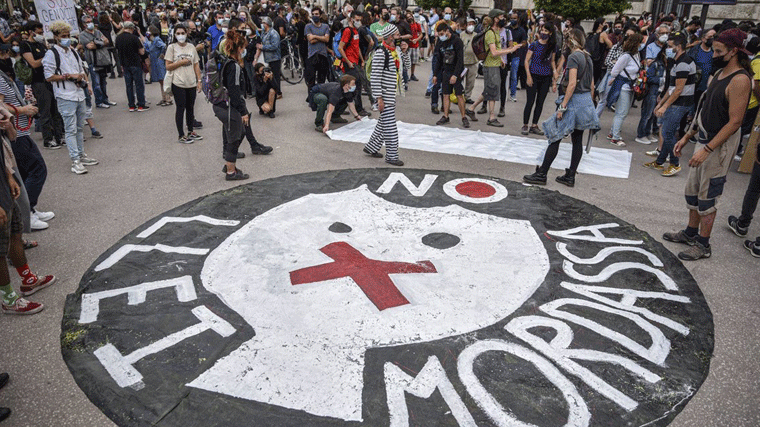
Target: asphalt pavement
[(143, 172)]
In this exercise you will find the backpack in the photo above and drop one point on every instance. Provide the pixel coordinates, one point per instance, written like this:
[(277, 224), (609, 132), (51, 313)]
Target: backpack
[(639, 86), (23, 71), (594, 48), (479, 46), (213, 78), (336, 42)]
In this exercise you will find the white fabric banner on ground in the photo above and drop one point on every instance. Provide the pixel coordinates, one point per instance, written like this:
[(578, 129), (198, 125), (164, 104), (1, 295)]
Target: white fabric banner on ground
[(50, 11), (489, 145)]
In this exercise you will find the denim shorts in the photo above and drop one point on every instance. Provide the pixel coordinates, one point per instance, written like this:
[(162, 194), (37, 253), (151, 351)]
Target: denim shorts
[(580, 115)]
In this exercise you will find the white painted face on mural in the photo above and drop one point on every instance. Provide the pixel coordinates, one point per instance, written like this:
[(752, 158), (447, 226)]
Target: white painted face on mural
[(323, 278)]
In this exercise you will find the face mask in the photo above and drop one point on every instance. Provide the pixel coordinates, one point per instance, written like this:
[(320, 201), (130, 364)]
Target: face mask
[(432, 12), (39, 38), (181, 15), (352, 88), (357, 24), (90, 25), (264, 6), (181, 38), (663, 38), (243, 53), (443, 38), (719, 62), (65, 43), (220, 22), (393, 18), (709, 42), (248, 32), (513, 23), (416, 16), (16, 49), (470, 28), (670, 53), (198, 24), (544, 36), (447, 17), (315, 19), (618, 31), (224, 30), (502, 23)]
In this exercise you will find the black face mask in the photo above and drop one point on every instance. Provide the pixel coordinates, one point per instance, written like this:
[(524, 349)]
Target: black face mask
[(387, 17), (618, 31), (709, 42), (719, 62), (513, 23), (502, 23)]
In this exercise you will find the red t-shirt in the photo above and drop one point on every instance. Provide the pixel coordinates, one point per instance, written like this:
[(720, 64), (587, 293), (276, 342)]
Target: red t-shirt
[(350, 38), (416, 30)]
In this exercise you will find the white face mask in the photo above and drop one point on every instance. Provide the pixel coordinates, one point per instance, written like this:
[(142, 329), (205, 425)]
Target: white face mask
[(470, 28), (243, 53), (39, 38), (90, 25), (224, 30), (663, 38), (181, 38), (248, 32)]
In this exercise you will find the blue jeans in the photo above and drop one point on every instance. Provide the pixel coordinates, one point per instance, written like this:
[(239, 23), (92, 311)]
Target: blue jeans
[(514, 64), (670, 122), (73, 123), (430, 80), (99, 87), (133, 77), (648, 122), (621, 111)]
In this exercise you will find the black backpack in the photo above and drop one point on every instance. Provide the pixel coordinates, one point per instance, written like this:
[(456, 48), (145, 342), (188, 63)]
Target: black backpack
[(58, 62), (595, 48)]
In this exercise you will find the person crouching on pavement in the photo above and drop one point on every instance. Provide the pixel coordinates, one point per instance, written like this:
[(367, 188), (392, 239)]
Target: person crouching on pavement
[(330, 100)]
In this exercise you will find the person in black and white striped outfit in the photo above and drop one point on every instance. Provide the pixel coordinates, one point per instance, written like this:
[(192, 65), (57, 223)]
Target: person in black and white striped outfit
[(387, 68)]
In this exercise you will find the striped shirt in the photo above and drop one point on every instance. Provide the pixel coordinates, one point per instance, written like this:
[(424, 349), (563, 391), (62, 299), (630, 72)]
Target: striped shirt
[(9, 97), (384, 81), (684, 68)]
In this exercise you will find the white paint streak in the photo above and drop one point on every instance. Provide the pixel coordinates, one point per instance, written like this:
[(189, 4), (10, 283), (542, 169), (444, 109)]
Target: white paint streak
[(578, 415), (611, 269), (431, 376), (629, 298), (399, 177), (308, 352), (596, 235), (656, 353), (136, 294), (604, 253), (121, 367), (126, 249), (501, 192), (558, 351), (173, 219)]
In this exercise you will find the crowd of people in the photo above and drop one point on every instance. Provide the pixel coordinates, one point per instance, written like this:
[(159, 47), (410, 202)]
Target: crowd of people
[(692, 83)]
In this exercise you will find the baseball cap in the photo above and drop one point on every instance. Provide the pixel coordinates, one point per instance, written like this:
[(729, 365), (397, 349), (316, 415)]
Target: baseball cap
[(732, 38), (496, 12)]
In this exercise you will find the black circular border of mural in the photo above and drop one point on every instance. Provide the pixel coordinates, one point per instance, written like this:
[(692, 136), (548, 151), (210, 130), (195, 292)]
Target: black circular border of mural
[(514, 383)]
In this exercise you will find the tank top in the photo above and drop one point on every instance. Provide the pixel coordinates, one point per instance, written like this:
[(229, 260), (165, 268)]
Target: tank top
[(716, 105)]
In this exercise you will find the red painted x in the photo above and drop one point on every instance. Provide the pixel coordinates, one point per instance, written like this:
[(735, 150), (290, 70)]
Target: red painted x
[(370, 275)]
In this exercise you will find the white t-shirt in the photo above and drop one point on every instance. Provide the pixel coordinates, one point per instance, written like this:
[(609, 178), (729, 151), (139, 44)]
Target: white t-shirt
[(629, 64), (183, 76)]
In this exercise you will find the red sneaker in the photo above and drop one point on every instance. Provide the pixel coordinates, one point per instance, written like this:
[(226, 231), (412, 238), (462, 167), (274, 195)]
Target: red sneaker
[(22, 306), (42, 282)]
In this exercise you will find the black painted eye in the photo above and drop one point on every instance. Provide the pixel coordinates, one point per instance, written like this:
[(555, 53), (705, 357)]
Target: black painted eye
[(339, 227), (440, 240)]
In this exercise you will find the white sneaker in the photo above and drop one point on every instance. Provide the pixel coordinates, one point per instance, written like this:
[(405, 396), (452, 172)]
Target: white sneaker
[(654, 138), (738, 158), (87, 161), (77, 167), (374, 107), (36, 223), (645, 141), (44, 216)]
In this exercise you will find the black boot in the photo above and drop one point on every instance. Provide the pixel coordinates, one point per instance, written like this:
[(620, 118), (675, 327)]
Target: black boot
[(568, 178), (537, 178)]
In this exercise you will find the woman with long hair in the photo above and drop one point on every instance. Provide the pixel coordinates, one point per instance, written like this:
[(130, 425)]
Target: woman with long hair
[(233, 114), (574, 114), (116, 22), (183, 62), (155, 48), (623, 76), (539, 67)]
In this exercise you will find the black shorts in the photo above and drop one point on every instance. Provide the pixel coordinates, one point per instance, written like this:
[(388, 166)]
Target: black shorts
[(447, 88), (14, 225)]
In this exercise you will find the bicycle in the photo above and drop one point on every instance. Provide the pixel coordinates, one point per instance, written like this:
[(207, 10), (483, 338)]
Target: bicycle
[(291, 65)]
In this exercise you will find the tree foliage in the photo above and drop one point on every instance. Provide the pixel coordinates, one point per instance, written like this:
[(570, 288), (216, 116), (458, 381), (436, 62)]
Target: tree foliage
[(453, 4), (583, 9)]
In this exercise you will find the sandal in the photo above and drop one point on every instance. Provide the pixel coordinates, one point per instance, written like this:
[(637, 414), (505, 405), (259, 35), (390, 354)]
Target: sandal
[(30, 244)]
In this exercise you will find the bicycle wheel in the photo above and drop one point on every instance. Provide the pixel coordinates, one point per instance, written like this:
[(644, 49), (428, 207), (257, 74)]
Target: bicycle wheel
[(292, 71)]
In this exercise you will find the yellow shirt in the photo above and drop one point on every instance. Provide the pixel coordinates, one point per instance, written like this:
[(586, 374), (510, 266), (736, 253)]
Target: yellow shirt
[(492, 61), (753, 101)]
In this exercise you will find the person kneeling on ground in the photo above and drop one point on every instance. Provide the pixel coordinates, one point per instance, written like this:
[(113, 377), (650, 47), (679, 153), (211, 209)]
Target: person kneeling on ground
[(330, 100), (266, 90)]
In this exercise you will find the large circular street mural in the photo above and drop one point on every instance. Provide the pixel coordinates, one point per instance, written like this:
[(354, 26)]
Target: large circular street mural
[(384, 298)]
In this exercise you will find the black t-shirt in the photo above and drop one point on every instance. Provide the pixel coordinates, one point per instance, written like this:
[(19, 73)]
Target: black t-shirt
[(6, 66), (279, 22), (363, 42), (334, 93), (38, 52), (129, 47), (404, 28), (106, 30), (518, 36)]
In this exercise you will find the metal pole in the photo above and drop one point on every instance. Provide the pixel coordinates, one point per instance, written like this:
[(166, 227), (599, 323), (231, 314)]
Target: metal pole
[(703, 16)]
